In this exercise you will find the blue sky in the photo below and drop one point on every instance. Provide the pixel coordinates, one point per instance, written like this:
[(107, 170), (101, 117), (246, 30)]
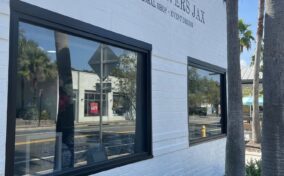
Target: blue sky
[(248, 10)]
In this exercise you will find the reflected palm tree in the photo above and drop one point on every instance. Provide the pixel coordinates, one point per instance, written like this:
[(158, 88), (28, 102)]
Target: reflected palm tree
[(65, 119), (34, 67)]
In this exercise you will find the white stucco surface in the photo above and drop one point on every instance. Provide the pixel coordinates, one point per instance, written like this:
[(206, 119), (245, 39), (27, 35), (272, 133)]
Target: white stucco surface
[(172, 43), (4, 59)]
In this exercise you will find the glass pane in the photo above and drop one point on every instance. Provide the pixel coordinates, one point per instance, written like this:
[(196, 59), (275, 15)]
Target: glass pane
[(204, 103), (76, 102)]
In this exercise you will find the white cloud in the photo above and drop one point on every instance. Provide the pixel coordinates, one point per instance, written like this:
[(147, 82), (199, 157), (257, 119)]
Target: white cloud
[(51, 51)]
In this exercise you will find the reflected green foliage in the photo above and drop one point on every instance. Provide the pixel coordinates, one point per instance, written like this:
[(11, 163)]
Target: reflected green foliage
[(202, 90), (253, 168), (245, 34), (30, 113), (126, 75), (45, 115), (34, 64), (34, 67)]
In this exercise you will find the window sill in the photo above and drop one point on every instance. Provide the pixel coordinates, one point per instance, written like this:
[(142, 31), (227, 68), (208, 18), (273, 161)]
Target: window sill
[(104, 166)]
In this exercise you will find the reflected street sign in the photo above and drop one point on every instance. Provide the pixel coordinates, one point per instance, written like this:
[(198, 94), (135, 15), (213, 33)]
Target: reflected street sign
[(108, 58)]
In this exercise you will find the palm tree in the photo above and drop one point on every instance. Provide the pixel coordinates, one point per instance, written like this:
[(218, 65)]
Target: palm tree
[(235, 147), (245, 35), (273, 82), (256, 136)]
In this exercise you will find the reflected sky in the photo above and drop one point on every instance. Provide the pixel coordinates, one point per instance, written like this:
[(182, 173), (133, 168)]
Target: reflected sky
[(81, 50), (207, 74)]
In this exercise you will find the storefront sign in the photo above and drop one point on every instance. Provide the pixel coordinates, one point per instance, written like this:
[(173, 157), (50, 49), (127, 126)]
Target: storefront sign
[(181, 10), (94, 108)]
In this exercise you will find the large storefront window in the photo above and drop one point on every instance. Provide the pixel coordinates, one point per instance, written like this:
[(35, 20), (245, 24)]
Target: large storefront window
[(63, 80), (206, 102)]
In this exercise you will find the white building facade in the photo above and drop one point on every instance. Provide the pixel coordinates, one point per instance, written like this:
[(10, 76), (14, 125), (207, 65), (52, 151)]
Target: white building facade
[(176, 30)]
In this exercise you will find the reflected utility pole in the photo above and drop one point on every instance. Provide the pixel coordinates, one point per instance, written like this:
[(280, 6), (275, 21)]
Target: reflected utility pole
[(103, 62), (101, 93)]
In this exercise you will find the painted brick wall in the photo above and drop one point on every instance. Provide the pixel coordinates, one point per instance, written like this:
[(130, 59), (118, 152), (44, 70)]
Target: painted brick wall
[(200, 160), (172, 42), (4, 59)]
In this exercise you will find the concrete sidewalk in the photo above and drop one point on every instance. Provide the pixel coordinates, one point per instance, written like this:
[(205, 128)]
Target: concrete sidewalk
[(253, 152)]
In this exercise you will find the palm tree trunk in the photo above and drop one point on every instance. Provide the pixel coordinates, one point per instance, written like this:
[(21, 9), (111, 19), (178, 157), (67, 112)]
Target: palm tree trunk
[(256, 136), (273, 82), (235, 147)]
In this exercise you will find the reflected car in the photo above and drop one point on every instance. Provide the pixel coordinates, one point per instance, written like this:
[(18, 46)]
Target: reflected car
[(201, 111)]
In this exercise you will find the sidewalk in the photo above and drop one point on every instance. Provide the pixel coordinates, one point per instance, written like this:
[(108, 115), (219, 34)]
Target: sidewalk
[(253, 152), (51, 126)]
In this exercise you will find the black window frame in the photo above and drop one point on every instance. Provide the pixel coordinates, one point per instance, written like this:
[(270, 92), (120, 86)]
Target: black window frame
[(223, 98), (25, 12)]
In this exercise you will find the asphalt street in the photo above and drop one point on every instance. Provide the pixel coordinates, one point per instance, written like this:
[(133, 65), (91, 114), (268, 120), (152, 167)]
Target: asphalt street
[(35, 147)]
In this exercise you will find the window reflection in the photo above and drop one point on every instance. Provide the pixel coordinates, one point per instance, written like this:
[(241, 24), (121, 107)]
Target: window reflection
[(76, 102), (204, 103)]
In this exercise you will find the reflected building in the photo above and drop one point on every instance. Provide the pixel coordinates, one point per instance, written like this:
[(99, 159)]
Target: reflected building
[(86, 94)]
